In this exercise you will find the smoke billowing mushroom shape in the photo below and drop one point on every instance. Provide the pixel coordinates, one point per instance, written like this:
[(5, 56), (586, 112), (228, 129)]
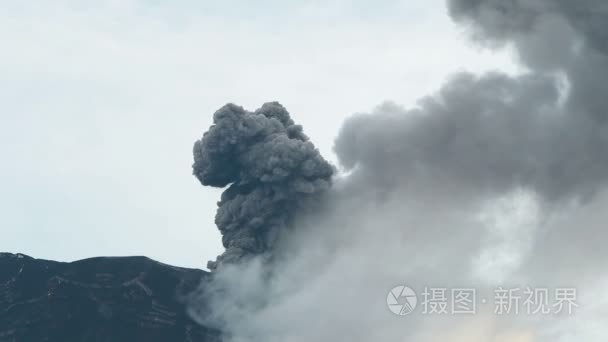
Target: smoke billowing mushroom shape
[(495, 180), (271, 169)]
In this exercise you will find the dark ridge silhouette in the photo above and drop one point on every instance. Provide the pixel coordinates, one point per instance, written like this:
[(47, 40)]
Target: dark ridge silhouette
[(98, 299)]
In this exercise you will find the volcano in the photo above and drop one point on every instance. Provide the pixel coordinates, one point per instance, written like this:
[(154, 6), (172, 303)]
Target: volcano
[(98, 299)]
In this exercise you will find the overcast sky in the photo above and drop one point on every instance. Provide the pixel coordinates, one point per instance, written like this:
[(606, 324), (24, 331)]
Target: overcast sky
[(103, 100)]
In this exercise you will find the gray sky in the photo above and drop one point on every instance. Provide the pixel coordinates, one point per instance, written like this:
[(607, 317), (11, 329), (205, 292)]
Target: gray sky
[(102, 102)]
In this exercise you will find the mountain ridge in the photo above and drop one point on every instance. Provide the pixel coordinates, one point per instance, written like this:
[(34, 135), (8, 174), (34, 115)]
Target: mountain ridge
[(97, 299)]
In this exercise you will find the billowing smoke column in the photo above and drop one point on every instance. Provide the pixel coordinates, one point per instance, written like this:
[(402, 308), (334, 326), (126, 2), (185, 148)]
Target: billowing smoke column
[(545, 129), (271, 169), (495, 180)]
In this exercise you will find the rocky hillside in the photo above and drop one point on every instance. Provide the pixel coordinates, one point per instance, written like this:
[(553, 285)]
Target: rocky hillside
[(98, 299)]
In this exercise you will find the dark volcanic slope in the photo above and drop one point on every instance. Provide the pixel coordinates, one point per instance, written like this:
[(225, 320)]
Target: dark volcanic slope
[(98, 299)]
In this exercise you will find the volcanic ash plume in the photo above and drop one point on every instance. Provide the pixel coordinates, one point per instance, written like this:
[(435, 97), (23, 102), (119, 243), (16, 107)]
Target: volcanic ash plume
[(494, 181), (271, 169)]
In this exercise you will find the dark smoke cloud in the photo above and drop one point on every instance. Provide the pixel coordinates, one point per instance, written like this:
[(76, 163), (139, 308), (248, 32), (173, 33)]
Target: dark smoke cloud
[(271, 169), (569, 37), (480, 137), (495, 178), (505, 19), (485, 134), (545, 130)]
